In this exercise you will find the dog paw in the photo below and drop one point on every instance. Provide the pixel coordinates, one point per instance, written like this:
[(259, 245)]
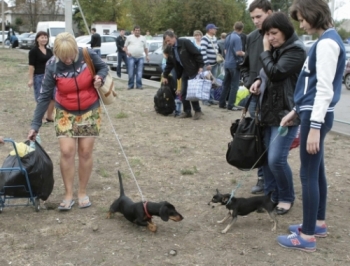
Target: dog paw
[(152, 227)]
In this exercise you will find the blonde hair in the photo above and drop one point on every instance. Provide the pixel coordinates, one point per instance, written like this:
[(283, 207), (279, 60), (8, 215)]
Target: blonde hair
[(197, 32), (65, 46)]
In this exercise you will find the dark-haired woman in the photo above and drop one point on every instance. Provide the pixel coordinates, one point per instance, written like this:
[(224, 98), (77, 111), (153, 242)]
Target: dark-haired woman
[(38, 56), (282, 59), (317, 92)]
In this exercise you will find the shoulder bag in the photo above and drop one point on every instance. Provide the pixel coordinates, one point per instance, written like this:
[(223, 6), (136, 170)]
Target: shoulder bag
[(247, 150), (107, 90)]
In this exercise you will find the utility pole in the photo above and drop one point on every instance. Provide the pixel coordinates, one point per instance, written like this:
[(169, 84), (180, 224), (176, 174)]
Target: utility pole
[(3, 23), (68, 16)]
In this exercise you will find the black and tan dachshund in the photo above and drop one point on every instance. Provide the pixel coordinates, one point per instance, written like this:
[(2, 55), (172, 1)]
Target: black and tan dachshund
[(141, 212), (244, 206)]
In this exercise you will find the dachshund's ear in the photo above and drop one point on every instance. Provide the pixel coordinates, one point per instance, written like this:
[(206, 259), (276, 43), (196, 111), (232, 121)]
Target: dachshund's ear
[(164, 211)]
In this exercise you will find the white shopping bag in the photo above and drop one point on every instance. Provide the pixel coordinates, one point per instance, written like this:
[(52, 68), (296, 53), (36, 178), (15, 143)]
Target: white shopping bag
[(198, 89)]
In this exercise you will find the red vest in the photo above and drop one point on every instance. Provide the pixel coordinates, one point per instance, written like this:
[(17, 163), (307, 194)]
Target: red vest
[(73, 98)]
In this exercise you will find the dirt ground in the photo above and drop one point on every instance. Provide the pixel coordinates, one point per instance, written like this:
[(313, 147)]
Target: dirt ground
[(181, 161)]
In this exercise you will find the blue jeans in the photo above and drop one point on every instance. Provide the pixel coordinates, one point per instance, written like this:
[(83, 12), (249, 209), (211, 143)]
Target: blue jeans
[(98, 51), (313, 175), (230, 87), (121, 57), (178, 105), (277, 173), (135, 69), (214, 69), (37, 80)]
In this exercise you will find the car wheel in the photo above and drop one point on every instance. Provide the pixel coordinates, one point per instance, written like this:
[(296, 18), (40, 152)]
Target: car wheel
[(7, 42), (347, 81)]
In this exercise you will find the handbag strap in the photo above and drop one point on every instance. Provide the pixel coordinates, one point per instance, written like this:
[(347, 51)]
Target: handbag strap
[(88, 61), (246, 108), (212, 44)]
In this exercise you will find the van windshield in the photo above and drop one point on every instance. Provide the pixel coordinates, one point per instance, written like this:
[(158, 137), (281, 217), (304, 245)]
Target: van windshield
[(56, 31)]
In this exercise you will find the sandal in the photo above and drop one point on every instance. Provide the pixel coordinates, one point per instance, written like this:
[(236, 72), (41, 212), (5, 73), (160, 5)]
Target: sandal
[(66, 205), (84, 202)]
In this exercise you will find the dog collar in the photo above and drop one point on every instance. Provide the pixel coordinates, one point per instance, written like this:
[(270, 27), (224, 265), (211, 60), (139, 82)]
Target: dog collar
[(145, 209)]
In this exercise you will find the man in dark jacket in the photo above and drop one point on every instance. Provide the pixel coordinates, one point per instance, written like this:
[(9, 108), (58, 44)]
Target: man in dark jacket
[(121, 53), (250, 68), (187, 62), (95, 41)]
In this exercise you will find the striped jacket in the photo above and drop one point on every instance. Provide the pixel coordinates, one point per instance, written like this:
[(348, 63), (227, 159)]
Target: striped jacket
[(209, 49)]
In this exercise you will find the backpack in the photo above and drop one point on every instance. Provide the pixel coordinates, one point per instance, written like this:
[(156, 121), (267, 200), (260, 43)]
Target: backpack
[(164, 102)]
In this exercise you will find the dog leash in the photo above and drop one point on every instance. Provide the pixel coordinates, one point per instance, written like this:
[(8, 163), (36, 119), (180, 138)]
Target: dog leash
[(121, 146), (239, 184)]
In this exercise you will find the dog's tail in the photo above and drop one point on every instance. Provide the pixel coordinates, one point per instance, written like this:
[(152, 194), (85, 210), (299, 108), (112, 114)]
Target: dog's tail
[(121, 184)]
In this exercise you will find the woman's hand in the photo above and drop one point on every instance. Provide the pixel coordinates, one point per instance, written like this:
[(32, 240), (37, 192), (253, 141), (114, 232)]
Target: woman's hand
[(32, 135), (97, 82), (266, 42), (313, 141), (254, 89), (288, 119), (30, 83)]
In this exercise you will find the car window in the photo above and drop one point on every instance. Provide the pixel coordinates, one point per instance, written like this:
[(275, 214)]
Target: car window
[(56, 31), (108, 39), (159, 50), (153, 46)]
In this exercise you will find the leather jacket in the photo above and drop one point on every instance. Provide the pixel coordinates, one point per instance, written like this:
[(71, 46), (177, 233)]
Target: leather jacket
[(282, 67)]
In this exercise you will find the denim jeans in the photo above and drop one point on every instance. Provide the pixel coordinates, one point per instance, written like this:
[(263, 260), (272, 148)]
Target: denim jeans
[(122, 57), (135, 69), (214, 69), (277, 173), (178, 105), (187, 104), (313, 175), (98, 51), (230, 87), (37, 80)]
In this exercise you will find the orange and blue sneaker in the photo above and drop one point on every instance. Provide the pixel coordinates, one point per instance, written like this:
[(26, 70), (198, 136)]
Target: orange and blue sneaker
[(320, 231), (295, 241)]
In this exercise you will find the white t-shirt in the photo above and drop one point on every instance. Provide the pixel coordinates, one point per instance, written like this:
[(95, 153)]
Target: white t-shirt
[(136, 45)]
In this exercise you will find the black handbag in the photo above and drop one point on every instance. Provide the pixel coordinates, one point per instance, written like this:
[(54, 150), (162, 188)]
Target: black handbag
[(247, 150)]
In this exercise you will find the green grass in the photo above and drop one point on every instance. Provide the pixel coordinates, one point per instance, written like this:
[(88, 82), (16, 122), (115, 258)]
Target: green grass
[(121, 115), (189, 171)]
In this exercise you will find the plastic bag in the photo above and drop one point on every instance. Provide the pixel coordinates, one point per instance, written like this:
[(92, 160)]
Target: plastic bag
[(39, 168), (22, 149)]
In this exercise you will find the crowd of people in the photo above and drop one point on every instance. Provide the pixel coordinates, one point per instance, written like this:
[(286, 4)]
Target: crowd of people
[(292, 89)]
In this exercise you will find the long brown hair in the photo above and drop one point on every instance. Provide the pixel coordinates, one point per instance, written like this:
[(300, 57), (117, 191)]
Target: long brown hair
[(315, 12)]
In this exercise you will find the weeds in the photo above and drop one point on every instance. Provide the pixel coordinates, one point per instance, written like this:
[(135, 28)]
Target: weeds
[(189, 171), (121, 115)]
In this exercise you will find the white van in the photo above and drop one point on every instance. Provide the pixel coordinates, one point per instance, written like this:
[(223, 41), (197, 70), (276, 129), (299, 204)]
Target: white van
[(53, 28)]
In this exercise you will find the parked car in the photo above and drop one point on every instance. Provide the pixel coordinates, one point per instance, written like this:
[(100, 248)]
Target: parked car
[(347, 50), (112, 59), (346, 75), (154, 66), (108, 43), (21, 37), (29, 42)]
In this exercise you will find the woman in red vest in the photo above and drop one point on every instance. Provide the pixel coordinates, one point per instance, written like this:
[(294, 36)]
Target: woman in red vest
[(77, 106)]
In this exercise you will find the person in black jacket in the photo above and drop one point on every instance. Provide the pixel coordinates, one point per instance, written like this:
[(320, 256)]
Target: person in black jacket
[(121, 53), (187, 62), (259, 10), (95, 41), (282, 60)]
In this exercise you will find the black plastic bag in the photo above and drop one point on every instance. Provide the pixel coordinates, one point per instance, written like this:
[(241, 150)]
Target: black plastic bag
[(39, 168)]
